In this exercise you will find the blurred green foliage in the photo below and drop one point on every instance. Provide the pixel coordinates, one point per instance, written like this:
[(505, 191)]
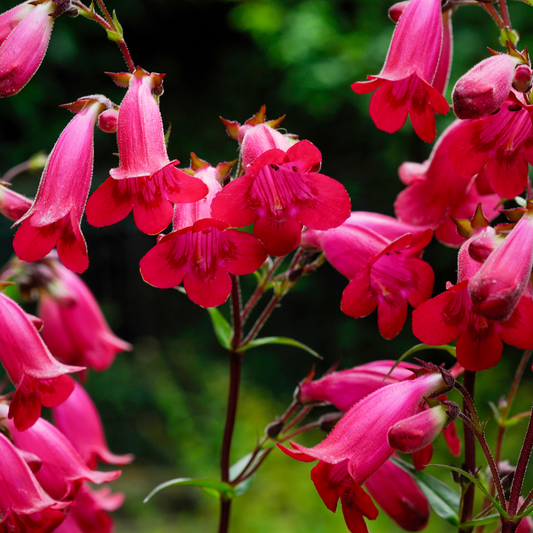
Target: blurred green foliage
[(165, 402)]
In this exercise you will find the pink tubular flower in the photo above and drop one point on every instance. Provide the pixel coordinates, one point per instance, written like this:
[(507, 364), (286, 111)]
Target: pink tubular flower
[(38, 377), (502, 141), (484, 88), (202, 251), (78, 419), (12, 204), (23, 48), (434, 192), (75, 329), (399, 496), (358, 446), (345, 388), (449, 316), (384, 273), (62, 470), (280, 194), (146, 180), (442, 76), (89, 512), (24, 505), (404, 85), (55, 216), (497, 288)]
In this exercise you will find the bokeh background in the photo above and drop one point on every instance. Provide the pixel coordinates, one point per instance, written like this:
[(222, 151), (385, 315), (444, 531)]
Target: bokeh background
[(165, 401)]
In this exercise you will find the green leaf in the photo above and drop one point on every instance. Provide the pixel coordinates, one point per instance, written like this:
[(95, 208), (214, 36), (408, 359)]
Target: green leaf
[(211, 486), (118, 26), (481, 521), (507, 34), (221, 327), (443, 499), (478, 484), (236, 470), (114, 36), (529, 2), (279, 340)]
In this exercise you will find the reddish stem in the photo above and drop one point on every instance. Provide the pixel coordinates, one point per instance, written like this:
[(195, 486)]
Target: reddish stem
[(505, 13)]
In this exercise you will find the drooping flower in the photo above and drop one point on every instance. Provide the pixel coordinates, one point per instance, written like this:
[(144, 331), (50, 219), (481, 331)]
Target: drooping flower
[(404, 85), (55, 216), (39, 378), (358, 445), (89, 512), (435, 193), (399, 496), (75, 329), (280, 193), (24, 34), (24, 505), (384, 273), (146, 181), (449, 316), (497, 288), (484, 88), (202, 251), (62, 470), (78, 419), (444, 67), (502, 141)]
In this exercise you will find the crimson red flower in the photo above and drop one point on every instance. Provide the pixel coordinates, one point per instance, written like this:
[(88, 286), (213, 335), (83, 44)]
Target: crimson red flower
[(146, 181), (449, 316), (404, 85), (280, 194)]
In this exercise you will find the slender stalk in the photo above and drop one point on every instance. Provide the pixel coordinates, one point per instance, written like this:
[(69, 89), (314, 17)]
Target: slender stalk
[(505, 13), (307, 427), (470, 449), (236, 305), (521, 468), (16, 170), (494, 14), (260, 322), (105, 11)]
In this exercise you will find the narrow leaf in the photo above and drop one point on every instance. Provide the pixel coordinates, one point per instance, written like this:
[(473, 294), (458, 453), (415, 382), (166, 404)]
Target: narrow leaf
[(443, 499), (419, 347), (238, 468), (478, 484), (221, 327), (209, 485), (481, 521), (279, 340)]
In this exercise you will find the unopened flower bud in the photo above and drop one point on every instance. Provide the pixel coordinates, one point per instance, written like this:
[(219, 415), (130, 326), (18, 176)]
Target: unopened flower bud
[(329, 421), (523, 78), (396, 10), (416, 432), (12, 204), (274, 429), (107, 121), (484, 88)]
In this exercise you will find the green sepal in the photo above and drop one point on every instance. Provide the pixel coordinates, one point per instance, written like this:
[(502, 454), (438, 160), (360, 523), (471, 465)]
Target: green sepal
[(478, 484), (114, 36), (118, 26), (509, 35), (279, 340), (221, 327), (213, 487), (442, 499), (419, 347)]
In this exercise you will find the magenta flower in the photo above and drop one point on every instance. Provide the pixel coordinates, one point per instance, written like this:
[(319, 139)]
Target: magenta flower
[(55, 216), (444, 67), (449, 316), (280, 194), (502, 141), (497, 288), (75, 329), (146, 180), (399, 496), (358, 445), (484, 88), (24, 36), (62, 470), (89, 512), (24, 505), (39, 378), (345, 388), (78, 419), (384, 273), (12, 204), (435, 193), (404, 85)]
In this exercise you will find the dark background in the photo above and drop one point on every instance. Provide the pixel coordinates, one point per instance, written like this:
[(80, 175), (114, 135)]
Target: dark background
[(165, 401)]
